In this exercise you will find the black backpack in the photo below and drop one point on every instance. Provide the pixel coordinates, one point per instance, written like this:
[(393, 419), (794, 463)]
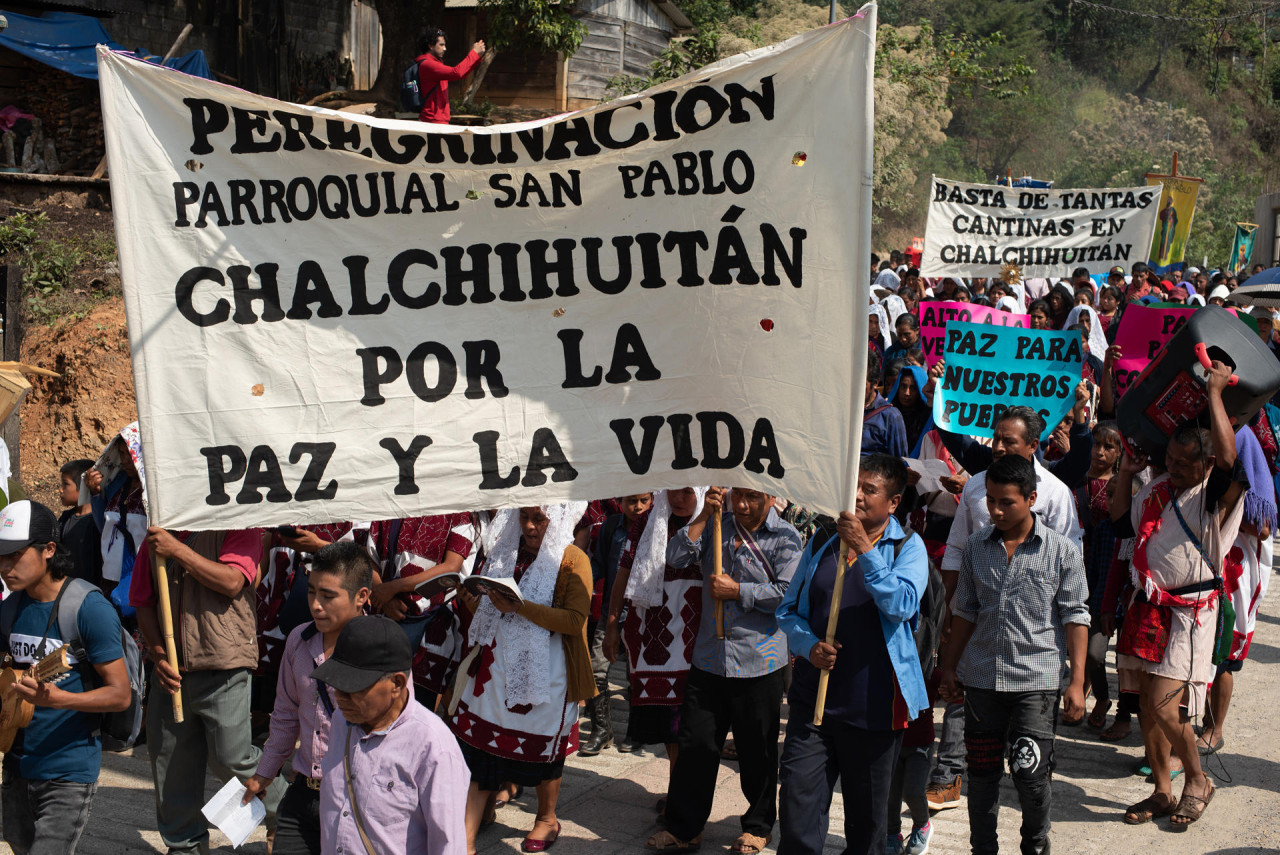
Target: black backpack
[(410, 90), (119, 730)]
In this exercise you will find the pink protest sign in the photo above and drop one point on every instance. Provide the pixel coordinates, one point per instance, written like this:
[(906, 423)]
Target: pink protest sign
[(1143, 333), (934, 316)]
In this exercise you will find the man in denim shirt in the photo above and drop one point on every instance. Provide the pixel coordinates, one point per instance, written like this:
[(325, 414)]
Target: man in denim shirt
[(876, 686), (736, 681)]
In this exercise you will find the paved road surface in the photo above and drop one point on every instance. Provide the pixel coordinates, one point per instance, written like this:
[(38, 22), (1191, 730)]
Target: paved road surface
[(606, 803)]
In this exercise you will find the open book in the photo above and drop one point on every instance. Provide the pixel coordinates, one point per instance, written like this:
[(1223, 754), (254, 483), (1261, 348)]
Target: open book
[(503, 587), (438, 584)]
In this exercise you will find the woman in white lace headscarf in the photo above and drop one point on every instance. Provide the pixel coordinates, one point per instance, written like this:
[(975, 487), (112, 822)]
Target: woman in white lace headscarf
[(656, 608), (515, 705)]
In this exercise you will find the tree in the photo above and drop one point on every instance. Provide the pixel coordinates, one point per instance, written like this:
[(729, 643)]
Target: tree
[(532, 24), (402, 22)]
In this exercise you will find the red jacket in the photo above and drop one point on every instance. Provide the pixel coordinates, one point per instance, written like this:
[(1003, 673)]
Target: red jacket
[(433, 82)]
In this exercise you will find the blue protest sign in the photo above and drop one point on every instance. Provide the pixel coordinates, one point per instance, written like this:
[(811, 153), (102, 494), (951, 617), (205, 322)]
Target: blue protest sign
[(991, 368)]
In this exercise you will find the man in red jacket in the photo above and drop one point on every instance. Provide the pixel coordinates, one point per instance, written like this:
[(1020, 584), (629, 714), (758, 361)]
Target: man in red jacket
[(434, 75)]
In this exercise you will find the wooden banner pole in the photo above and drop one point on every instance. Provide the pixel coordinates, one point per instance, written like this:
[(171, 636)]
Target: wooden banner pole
[(166, 626), (718, 569), (837, 593)]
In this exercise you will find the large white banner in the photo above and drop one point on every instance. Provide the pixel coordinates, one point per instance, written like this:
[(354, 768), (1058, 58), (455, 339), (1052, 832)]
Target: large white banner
[(337, 317), (975, 229)]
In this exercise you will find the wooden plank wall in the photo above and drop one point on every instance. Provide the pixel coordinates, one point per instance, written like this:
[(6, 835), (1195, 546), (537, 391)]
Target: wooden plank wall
[(13, 76), (612, 48), (365, 44)]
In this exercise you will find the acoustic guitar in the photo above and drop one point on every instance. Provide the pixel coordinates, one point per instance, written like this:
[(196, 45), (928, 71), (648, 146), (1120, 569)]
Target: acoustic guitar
[(15, 711)]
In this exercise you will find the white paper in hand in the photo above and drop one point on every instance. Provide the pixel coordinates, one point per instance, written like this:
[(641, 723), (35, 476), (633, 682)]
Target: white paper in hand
[(233, 819)]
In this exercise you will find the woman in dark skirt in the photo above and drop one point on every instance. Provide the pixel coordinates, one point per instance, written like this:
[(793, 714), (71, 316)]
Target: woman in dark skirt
[(527, 666)]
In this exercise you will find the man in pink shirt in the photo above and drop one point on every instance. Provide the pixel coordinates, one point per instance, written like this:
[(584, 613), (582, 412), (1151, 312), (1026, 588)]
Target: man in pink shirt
[(434, 75), (211, 578), (337, 592), (393, 780)]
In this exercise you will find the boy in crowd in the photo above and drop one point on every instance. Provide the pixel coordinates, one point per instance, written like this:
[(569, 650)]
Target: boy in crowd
[(1019, 612), (51, 770), (76, 528), (615, 551), (337, 592)]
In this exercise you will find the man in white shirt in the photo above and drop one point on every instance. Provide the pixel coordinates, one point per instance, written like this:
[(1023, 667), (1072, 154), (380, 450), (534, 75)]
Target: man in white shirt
[(1018, 432)]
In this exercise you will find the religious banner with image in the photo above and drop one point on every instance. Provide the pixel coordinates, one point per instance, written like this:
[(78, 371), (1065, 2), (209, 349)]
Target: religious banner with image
[(1242, 247), (1174, 212)]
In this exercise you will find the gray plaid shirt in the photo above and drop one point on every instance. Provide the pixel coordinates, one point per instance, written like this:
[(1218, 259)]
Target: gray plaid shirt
[(1020, 608)]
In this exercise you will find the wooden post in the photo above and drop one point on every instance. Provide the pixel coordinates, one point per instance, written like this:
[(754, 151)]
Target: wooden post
[(11, 313), (166, 627), (101, 168), (718, 569), (837, 593)]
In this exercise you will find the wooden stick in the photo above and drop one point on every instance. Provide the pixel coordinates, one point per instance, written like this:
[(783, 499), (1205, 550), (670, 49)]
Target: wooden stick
[(166, 626), (718, 569), (101, 169), (837, 593)]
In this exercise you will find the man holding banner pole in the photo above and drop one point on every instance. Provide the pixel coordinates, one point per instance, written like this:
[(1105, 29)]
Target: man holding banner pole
[(876, 686), (211, 577), (736, 682)]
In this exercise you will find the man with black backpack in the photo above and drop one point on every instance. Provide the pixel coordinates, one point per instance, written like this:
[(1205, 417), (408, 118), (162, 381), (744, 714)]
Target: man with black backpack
[(51, 770), (428, 78), (876, 686)]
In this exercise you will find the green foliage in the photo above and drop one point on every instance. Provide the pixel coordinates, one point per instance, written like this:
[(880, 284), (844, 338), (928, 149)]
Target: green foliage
[(534, 24), (50, 264)]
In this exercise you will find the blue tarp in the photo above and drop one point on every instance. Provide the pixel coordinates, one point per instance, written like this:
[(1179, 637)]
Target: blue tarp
[(1031, 183), (67, 41)]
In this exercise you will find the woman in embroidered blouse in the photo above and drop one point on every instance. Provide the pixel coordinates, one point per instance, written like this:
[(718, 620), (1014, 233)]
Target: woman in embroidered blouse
[(527, 666)]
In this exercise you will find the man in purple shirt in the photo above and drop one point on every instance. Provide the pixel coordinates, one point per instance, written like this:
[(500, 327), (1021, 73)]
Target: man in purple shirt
[(393, 781), (337, 592)]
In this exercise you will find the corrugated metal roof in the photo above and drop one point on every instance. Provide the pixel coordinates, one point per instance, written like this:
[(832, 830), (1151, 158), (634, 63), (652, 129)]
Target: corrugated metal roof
[(29, 6)]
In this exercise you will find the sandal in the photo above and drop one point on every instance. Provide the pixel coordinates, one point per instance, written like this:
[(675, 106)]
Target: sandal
[(1153, 806), (1190, 808), (500, 803), (1098, 718), (665, 840), (1205, 750), (729, 751), (1119, 729), (748, 844)]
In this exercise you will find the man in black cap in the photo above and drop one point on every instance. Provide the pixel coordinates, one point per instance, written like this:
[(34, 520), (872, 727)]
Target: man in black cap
[(51, 769), (393, 779)]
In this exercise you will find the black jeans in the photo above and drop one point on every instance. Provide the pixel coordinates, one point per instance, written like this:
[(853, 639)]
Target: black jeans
[(813, 758), (713, 705), (44, 817), (298, 821), (1022, 726)]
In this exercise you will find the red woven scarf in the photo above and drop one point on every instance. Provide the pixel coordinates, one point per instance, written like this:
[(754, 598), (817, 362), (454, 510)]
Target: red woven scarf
[(1139, 568)]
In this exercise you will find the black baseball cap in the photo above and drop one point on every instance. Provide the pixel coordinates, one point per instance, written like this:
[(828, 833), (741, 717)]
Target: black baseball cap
[(368, 648), (25, 522)]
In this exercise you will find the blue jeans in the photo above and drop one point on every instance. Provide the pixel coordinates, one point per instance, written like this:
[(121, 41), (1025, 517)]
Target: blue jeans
[(1020, 726), (950, 746), (813, 758), (44, 817)]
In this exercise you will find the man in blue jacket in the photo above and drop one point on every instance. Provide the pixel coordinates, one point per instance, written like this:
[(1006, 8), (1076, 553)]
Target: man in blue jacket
[(876, 686)]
